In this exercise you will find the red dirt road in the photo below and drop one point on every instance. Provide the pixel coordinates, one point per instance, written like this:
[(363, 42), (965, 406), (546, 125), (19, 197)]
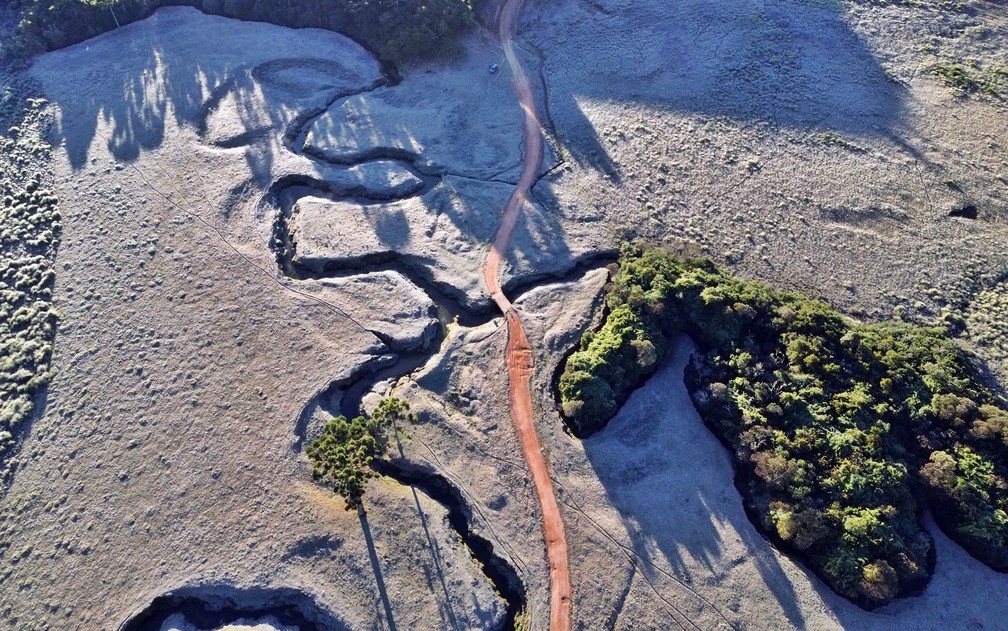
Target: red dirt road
[(519, 353)]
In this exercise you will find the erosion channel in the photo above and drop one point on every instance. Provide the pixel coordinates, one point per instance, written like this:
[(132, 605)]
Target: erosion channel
[(345, 396)]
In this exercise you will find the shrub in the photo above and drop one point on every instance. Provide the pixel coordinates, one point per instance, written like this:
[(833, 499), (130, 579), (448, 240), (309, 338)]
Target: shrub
[(611, 362)]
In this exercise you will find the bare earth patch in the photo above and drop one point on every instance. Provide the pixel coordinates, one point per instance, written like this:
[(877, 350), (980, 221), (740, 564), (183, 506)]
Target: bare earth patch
[(164, 457)]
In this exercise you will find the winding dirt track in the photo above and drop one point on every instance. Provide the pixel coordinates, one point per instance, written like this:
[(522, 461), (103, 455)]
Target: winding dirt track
[(519, 353)]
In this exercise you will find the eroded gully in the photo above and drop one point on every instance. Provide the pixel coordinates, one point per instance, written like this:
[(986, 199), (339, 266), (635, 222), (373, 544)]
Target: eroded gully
[(519, 355)]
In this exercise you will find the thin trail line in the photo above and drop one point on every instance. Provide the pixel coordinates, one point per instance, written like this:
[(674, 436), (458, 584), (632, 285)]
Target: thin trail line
[(633, 554)]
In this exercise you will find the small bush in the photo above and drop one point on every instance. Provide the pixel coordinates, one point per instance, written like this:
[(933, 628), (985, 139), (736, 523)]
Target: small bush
[(970, 79)]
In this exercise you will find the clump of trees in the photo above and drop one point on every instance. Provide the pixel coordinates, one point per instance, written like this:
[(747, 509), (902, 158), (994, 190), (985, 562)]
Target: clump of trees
[(406, 30), (842, 433), (51, 24), (398, 31), (344, 452)]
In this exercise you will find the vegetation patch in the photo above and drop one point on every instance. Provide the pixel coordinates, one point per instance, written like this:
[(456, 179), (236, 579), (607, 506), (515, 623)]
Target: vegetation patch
[(344, 453), (833, 139), (396, 30), (987, 324), (842, 433), (969, 78), (29, 234)]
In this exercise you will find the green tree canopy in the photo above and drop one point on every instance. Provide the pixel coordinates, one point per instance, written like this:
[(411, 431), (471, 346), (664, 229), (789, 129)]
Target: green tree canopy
[(841, 431), (343, 454)]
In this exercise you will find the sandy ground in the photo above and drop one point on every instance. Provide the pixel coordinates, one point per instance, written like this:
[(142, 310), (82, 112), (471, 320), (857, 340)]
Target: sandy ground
[(803, 143)]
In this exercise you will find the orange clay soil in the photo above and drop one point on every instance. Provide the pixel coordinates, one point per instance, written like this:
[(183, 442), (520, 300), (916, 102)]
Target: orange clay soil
[(519, 354)]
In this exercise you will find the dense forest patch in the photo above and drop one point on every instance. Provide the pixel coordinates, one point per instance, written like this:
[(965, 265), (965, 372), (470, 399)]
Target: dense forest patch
[(397, 31), (841, 432)]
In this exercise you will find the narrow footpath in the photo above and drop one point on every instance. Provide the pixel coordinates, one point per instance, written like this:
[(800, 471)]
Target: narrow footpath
[(519, 353)]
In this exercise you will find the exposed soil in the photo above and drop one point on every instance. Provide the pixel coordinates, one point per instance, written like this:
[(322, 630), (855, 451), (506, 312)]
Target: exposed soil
[(163, 458), (519, 354)]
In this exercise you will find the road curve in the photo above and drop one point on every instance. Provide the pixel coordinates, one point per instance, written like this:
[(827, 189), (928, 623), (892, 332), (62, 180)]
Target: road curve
[(519, 353)]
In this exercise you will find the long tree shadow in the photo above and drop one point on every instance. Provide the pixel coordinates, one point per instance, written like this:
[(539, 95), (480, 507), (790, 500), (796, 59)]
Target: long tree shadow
[(432, 545), (376, 568), (435, 551)]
